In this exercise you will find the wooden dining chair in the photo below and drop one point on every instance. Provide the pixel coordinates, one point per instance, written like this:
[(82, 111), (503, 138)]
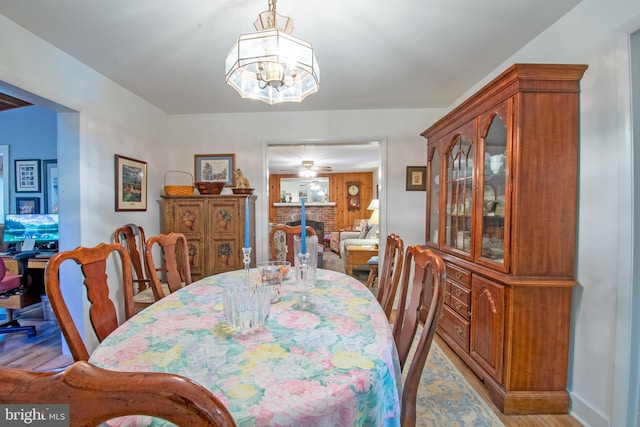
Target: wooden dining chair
[(102, 310), (421, 300), (175, 269), (281, 241), (390, 272), (96, 395), (132, 237)]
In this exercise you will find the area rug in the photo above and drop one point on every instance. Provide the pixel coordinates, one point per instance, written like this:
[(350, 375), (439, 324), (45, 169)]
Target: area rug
[(332, 261), (445, 397)]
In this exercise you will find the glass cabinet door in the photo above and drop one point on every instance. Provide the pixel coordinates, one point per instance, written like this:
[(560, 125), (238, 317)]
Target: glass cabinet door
[(459, 194), (433, 194), (494, 187)]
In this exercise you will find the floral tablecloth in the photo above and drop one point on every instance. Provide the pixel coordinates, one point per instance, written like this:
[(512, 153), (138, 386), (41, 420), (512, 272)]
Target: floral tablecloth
[(335, 365)]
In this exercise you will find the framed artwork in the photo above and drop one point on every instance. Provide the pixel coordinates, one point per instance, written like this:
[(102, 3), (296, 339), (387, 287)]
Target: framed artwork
[(416, 178), (215, 168), (131, 184), (27, 205), (27, 176), (50, 184)]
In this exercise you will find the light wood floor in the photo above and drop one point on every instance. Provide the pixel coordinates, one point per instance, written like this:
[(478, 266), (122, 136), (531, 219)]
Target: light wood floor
[(40, 353), (44, 352)]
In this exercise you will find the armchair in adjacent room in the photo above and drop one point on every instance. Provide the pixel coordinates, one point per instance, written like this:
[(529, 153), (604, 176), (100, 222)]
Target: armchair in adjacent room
[(361, 234)]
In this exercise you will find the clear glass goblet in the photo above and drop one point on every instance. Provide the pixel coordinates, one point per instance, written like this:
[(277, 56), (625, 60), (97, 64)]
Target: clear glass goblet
[(304, 282)]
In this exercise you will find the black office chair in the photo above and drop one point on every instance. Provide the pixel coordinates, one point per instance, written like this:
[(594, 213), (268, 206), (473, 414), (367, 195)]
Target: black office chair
[(11, 286)]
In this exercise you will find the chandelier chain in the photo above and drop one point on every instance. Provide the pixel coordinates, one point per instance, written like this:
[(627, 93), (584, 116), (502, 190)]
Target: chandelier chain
[(272, 9)]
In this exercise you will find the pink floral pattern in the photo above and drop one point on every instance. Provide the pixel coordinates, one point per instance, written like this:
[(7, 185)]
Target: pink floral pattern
[(335, 365)]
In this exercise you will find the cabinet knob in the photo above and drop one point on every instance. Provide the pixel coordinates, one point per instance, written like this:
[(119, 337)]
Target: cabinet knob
[(458, 275), (458, 292), (458, 330), (458, 306)]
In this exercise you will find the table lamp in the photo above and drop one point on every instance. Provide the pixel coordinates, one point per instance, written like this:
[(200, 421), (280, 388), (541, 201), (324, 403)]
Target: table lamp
[(375, 216)]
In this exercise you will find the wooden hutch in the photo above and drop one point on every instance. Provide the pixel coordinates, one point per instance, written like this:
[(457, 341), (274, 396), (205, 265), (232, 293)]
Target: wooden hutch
[(502, 211), (214, 228)]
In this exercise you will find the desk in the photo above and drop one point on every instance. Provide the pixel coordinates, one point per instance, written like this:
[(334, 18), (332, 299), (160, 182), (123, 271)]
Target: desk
[(335, 365), (38, 263), (358, 256), (34, 263)]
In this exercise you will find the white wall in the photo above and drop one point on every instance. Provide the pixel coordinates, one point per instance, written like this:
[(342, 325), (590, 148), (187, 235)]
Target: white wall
[(633, 387), (113, 121), (230, 133)]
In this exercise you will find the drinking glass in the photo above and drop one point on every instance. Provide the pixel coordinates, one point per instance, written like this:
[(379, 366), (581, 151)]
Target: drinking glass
[(247, 307), (272, 273)]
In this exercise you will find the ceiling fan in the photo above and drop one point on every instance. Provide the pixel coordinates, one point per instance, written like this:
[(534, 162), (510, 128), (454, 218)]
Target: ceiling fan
[(307, 169)]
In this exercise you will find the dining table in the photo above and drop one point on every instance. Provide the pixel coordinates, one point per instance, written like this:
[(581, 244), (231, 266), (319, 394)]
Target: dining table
[(334, 364)]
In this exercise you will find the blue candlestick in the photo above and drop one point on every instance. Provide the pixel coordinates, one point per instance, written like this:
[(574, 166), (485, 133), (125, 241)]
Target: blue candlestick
[(303, 226), (246, 222)]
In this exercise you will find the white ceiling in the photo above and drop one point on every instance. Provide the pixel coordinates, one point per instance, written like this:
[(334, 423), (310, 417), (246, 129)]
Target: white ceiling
[(372, 54)]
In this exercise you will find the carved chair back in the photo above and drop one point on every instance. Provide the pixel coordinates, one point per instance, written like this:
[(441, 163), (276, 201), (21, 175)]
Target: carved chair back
[(421, 301), (102, 311)]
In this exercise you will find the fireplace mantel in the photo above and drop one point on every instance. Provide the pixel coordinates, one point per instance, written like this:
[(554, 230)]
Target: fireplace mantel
[(306, 204)]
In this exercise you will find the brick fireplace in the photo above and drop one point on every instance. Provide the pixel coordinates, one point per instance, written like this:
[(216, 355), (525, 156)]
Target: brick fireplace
[(324, 212)]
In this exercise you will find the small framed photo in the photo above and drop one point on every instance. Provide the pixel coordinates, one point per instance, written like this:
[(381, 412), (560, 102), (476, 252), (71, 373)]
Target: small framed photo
[(215, 168), (27, 205), (131, 184), (50, 184), (27, 176), (416, 178)]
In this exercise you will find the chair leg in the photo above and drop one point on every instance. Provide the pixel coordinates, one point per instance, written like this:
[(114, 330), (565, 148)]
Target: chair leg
[(373, 273)]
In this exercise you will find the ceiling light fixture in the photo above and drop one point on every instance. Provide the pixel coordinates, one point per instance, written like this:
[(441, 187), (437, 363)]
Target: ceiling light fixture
[(271, 65)]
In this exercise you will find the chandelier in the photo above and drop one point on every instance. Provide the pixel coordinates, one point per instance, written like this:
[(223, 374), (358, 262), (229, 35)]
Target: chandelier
[(271, 65)]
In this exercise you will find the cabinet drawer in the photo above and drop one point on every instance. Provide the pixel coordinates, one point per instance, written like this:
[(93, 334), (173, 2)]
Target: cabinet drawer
[(459, 307), (461, 294), (459, 276), (455, 327)]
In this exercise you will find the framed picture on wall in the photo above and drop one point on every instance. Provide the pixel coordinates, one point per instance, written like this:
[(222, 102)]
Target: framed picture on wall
[(27, 205), (27, 176), (215, 168), (131, 184), (416, 178), (50, 184)]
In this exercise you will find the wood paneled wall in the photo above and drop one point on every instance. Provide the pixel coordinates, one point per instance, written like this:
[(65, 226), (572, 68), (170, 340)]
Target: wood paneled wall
[(337, 193)]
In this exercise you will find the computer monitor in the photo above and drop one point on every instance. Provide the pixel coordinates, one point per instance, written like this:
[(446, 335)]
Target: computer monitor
[(43, 228)]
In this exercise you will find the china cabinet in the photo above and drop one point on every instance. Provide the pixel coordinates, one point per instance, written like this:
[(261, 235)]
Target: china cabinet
[(215, 230), (502, 173)]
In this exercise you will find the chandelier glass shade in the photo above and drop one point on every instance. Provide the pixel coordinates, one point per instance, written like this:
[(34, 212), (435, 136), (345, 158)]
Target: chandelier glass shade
[(271, 65)]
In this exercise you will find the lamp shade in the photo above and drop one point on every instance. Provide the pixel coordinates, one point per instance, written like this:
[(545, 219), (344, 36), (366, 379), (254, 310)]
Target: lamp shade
[(375, 218), (375, 204)]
